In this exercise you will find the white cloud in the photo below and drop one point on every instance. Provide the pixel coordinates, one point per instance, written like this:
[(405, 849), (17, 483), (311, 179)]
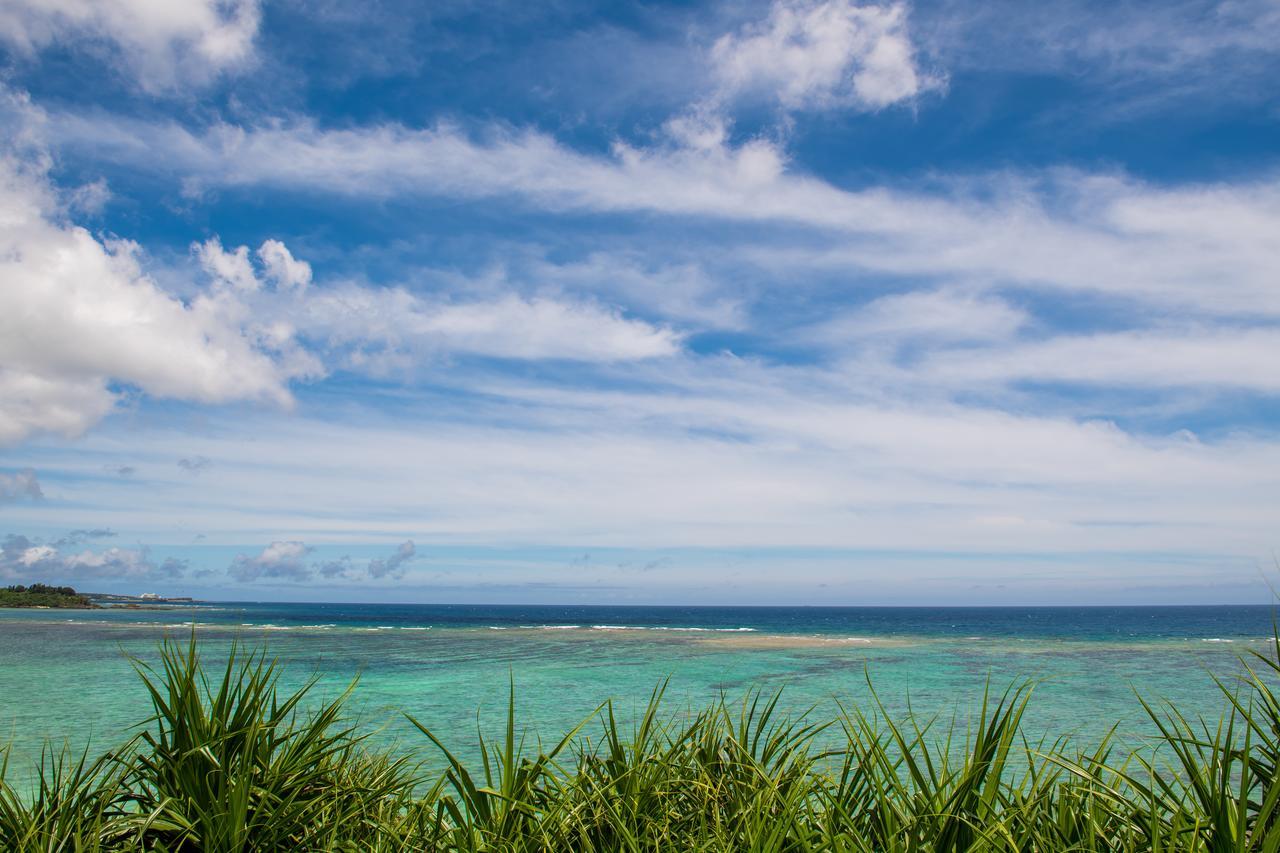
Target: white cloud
[(809, 55), (393, 327), (32, 403), (1215, 358), (78, 314), (939, 316), (1203, 247), (380, 329), (278, 561), (230, 269), (749, 458), (282, 268), (684, 292), (161, 44), (27, 561), (20, 485), (1194, 40), (288, 561)]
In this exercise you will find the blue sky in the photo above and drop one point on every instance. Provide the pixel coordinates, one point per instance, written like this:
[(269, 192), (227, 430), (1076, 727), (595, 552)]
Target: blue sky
[(744, 302)]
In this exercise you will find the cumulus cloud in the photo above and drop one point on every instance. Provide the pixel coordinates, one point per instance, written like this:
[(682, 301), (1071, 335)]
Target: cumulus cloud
[(29, 560), (229, 269), (282, 267), (393, 566), (78, 315), (30, 403), (21, 485), (161, 45), (278, 561), (814, 55)]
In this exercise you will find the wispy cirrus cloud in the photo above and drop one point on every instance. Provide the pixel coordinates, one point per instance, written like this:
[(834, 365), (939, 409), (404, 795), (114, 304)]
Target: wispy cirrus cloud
[(1188, 357), (935, 317), (19, 486), (79, 537), (738, 455), (1189, 38), (159, 46), (382, 328), (1058, 229)]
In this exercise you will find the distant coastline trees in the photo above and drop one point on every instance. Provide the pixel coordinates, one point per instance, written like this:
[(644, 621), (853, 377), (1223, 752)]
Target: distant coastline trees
[(43, 595)]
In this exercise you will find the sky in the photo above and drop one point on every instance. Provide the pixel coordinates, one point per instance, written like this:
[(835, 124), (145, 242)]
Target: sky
[(783, 302)]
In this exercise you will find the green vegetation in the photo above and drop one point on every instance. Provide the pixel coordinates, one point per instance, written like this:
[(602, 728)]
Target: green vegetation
[(39, 595), (228, 762)]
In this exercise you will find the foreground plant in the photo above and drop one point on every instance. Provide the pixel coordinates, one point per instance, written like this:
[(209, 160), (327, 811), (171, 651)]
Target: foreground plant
[(76, 804), (229, 765)]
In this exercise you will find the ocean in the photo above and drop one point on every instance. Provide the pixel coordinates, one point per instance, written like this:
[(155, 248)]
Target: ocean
[(68, 677)]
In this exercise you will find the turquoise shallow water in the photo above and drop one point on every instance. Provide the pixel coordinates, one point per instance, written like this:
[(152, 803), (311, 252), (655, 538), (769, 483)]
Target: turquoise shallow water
[(67, 676)]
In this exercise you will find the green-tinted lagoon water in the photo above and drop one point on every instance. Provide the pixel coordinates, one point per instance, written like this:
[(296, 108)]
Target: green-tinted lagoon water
[(67, 676)]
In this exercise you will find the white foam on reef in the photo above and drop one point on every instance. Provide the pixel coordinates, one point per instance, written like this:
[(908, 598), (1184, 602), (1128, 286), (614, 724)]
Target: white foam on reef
[(551, 627), (268, 626), (414, 628), (1215, 640), (669, 628)]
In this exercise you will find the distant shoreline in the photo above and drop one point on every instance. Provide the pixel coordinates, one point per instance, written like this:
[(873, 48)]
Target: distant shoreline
[(42, 597), (116, 598)]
